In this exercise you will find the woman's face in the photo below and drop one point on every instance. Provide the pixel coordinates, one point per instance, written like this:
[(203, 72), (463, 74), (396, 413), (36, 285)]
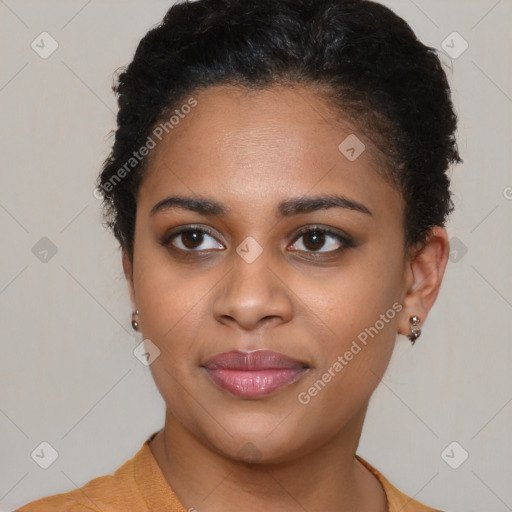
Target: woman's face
[(252, 281)]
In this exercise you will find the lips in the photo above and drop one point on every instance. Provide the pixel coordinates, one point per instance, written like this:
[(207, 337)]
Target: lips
[(253, 374), (255, 360)]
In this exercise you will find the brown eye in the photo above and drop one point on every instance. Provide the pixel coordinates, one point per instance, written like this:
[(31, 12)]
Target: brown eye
[(192, 240), (315, 238)]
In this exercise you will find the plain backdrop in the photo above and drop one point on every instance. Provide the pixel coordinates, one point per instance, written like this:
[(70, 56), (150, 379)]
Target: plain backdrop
[(68, 375)]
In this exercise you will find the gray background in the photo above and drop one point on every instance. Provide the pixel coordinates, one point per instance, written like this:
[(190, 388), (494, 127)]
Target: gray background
[(68, 375)]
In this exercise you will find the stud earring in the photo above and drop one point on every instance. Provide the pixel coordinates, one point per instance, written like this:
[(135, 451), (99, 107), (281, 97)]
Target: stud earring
[(415, 333), (135, 324)]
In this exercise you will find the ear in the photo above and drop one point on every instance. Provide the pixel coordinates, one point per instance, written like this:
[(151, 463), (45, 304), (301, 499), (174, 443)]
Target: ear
[(128, 272), (425, 268)]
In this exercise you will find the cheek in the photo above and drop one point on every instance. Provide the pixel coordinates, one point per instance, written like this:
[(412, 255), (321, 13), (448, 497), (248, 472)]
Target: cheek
[(353, 362), (348, 299), (358, 308), (172, 312), (171, 298)]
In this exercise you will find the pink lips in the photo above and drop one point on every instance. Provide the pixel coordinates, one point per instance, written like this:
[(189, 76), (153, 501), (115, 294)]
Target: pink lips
[(253, 374)]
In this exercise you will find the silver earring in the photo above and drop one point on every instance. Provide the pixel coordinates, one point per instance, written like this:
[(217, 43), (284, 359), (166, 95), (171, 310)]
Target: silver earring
[(135, 324), (415, 333)]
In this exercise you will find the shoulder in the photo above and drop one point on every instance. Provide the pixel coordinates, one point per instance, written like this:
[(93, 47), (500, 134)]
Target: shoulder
[(397, 500), (56, 503), (107, 493)]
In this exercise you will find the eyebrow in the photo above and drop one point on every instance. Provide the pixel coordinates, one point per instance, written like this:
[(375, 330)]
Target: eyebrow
[(287, 208)]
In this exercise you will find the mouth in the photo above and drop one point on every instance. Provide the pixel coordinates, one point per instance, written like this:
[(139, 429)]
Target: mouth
[(255, 374)]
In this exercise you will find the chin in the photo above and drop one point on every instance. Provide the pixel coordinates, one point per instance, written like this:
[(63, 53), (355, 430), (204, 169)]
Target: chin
[(260, 441)]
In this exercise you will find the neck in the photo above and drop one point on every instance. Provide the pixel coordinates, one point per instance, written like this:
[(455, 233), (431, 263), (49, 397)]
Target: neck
[(326, 477)]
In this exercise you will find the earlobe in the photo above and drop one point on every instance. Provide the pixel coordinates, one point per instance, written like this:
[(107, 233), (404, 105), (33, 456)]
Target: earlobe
[(425, 274)]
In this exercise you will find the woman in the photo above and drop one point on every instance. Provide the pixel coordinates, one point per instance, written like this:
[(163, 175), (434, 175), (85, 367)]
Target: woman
[(278, 188)]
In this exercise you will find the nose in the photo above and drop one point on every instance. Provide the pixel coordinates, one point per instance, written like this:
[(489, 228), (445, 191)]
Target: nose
[(253, 294)]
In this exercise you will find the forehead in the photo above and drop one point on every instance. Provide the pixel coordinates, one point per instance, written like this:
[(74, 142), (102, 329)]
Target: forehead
[(257, 148)]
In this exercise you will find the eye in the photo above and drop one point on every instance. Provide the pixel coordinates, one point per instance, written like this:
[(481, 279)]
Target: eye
[(195, 239), (315, 237), (192, 239)]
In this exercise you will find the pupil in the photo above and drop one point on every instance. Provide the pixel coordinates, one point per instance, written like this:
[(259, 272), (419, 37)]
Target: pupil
[(318, 243), (190, 238)]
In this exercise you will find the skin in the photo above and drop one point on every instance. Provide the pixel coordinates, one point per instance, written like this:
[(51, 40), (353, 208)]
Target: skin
[(249, 151)]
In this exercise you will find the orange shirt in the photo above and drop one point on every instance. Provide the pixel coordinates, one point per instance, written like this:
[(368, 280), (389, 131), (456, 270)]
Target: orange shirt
[(140, 486)]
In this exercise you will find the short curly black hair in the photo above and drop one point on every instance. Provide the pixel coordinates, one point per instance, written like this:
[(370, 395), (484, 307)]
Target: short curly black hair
[(365, 58)]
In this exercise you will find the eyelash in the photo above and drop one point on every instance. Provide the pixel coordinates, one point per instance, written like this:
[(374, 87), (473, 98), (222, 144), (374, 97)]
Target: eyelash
[(346, 241)]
